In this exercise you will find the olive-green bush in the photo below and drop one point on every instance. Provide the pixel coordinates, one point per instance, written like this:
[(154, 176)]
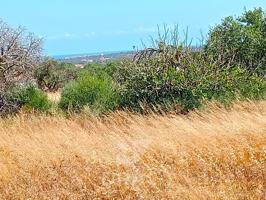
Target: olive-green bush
[(29, 97), (109, 68), (94, 90)]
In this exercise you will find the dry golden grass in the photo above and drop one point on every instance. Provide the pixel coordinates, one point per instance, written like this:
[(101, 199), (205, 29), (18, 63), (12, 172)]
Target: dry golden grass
[(54, 96), (214, 154)]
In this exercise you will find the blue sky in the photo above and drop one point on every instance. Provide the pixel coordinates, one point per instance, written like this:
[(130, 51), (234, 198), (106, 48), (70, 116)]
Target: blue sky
[(84, 26)]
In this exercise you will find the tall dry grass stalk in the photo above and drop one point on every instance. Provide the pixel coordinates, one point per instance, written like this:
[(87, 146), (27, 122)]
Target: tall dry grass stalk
[(214, 154)]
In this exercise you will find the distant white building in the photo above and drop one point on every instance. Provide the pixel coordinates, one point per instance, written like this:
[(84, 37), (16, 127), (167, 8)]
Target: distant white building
[(79, 66)]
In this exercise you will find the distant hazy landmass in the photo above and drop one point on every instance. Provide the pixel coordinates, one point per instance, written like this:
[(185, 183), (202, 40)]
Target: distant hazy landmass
[(85, 58), (94, 57)]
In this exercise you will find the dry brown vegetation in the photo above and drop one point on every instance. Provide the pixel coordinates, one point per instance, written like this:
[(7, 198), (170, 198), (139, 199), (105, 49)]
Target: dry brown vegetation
[(213, 154)]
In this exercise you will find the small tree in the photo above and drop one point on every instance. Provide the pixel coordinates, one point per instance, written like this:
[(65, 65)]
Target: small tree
[(20, 52), (240, 41), (52, 75)]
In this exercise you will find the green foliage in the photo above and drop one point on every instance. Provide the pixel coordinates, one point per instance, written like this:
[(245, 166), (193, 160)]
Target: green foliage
[(93, 68), (171, 73), (112, 67), (240, 41), (29, 97), (94, 90), (52, 75), (109, 68)]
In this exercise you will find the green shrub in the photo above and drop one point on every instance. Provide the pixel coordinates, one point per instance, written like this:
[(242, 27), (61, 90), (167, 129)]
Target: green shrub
[(112, 67), (188, 85), (226, 85), (109, 68), (29, 97), (93, 68), (94, 90)]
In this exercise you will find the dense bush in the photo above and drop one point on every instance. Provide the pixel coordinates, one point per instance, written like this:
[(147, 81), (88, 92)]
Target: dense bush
[(52, 75), (240, 41), (28, 97), (171, 73), (94, 90)]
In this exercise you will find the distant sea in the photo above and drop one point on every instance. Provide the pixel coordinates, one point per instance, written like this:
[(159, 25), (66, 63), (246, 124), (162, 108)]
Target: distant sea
[(59, 57)]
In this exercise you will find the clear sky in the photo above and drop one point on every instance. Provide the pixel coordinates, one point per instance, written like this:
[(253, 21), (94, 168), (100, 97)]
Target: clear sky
[(85, 26)]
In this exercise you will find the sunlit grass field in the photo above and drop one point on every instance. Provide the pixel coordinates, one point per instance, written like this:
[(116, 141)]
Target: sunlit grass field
[(215, 153)]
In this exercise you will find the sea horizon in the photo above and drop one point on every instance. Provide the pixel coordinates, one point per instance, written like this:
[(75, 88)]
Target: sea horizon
[(75, 55)]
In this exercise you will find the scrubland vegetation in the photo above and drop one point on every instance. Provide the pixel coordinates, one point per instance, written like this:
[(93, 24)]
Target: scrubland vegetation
[(170, 74), (175, 122)]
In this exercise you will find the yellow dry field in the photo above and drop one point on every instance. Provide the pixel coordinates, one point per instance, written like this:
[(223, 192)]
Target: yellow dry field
[(213, 154)]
